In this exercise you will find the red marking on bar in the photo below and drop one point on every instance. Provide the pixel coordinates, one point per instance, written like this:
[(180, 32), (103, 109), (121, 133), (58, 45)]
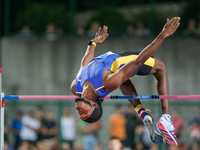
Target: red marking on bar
[(0, 69), (2, 104)]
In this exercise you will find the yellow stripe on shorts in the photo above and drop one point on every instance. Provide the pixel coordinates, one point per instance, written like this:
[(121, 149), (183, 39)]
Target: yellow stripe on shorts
[(125, 59)]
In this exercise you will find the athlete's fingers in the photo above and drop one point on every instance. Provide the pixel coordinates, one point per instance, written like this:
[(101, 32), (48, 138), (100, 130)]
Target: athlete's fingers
[(96, 34), (103, 31), (177, 25), (106, 35), (175, 21), (106, 29), (167, 20), (172, 21), (99, 31)]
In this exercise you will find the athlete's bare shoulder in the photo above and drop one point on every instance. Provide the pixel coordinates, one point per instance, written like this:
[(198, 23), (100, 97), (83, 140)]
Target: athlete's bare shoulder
[(73, 87)]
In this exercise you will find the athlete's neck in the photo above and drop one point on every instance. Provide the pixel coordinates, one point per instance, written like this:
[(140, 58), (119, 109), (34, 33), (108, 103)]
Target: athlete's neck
[(89, 92)]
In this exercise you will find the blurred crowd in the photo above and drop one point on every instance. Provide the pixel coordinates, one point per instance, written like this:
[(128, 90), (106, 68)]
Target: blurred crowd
[(39, 129), (139, 30)]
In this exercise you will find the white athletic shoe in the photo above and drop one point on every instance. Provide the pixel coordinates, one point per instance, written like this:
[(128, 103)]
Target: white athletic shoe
[(155, 134), (166, 126)]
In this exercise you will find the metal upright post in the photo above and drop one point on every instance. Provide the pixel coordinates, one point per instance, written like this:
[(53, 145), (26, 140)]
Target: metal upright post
[(2, 114)]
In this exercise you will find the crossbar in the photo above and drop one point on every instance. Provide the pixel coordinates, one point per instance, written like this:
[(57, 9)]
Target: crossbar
[(21, 97)]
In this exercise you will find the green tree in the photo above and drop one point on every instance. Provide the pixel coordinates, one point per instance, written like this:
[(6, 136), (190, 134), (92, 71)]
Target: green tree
[(191, 11), (152, 19), (111, 17), (38, 15)]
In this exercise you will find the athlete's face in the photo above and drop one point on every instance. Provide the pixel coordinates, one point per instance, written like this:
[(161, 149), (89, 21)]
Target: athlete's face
[(84, 108)]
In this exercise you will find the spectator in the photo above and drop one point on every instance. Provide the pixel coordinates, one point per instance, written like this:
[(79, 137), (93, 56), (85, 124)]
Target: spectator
[(139, 146), (41, 145), (78, 147), (98, 147), (39, 113), (50, 34), (24, 146), (179, 128), (141, 30), (142, 136), (182, 146), (132, 120), (68, 127), (115, 144), (117, 124), (25, 32), (173, 147), (59, 32), (153, 147), (30, 127), (94, 27), (90, 134), (178, 124), (80, 31), (49, 127), (39, 117), (7, 147), (194, 147), (130, 30), (191, 29), (195, 127), (54, 144), (65, 146), (16, 126)]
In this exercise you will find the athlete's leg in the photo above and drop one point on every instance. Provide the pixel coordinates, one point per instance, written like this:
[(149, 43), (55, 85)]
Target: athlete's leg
[(164, 123), (160, 73), (127, 88)]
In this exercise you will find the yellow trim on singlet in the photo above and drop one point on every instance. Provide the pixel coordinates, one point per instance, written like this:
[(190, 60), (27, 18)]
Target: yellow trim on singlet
[(99, 88), (125, 59), (79, 92), (95, 89)]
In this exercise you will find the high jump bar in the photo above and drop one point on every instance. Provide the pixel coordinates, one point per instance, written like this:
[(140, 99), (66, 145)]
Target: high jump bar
[(21, 97)]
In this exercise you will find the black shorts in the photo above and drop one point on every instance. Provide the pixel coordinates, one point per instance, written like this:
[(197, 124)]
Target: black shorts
[(145, 69)]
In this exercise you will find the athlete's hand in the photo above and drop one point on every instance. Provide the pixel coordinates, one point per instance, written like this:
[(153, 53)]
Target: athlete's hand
[(101, 35), (170, 26)]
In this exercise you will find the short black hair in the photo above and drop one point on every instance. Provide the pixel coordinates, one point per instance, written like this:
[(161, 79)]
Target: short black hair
[(113, 138), (97, 112)]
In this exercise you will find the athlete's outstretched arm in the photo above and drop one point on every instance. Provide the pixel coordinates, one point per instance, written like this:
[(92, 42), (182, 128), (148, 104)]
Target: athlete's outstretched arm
[(100, 36), (114, 80)]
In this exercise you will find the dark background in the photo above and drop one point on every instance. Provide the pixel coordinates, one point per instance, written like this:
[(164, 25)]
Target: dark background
[(38, 13)]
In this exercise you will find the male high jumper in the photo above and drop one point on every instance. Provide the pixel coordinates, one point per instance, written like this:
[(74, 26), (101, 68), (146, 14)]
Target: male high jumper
[(98, 76)]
